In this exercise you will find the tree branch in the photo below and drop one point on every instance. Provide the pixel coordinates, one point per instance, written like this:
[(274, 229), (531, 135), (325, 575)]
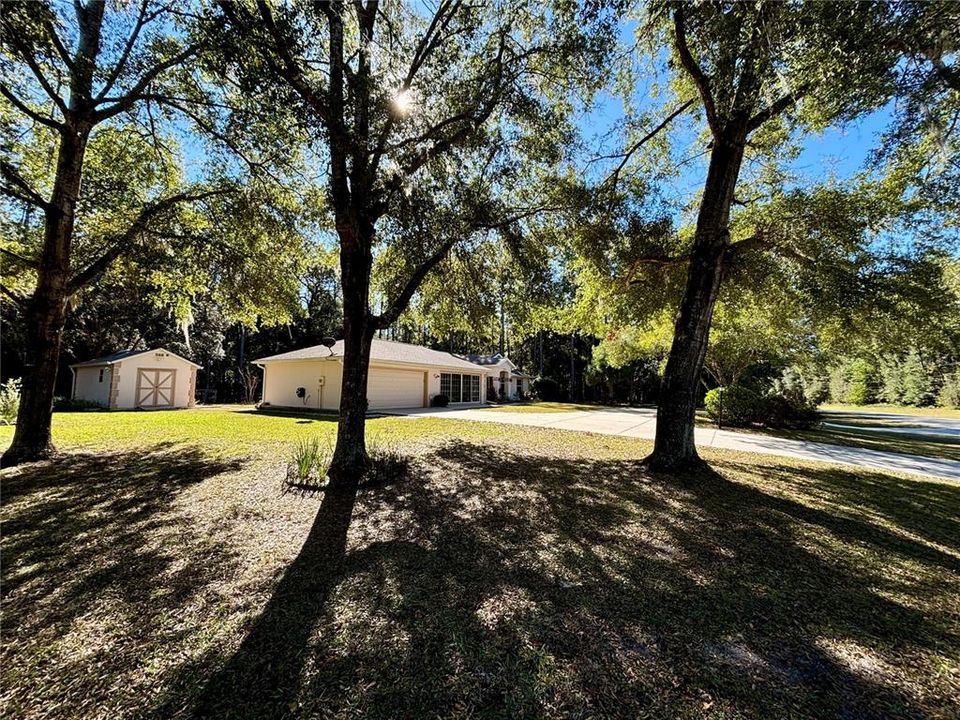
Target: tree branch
[(15, 182), (127, 49), (32, 114), (694, 70), (122, 242), (776, 107), (949, 75), (614, 176), (13, 37), (16, 297), (125, 102), (20, 258), (402, 300)]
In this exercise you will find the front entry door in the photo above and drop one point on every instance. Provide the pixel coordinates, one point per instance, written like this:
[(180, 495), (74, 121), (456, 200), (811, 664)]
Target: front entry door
[(155, 387)]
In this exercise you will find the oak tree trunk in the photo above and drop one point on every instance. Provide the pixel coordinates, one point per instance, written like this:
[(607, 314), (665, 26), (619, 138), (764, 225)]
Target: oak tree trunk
[(46, 311), (674, 446), (356, 261)]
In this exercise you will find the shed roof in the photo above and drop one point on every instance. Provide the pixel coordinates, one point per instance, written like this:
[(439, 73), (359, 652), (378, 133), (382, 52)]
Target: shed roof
[(383, 350), (124, 354)]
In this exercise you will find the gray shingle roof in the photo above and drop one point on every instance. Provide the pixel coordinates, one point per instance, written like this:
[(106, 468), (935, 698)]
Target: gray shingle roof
[(484, 359), (383, 350), (123, 355), (110, 359)]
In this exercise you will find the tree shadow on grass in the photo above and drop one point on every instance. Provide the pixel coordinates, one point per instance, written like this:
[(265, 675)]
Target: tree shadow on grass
[(95, 564), (492, 584)]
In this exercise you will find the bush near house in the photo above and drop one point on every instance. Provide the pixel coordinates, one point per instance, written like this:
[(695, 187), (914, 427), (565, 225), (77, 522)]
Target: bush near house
[(439, 401)]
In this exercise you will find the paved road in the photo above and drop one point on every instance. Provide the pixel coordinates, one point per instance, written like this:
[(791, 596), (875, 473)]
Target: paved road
[(641, 423)]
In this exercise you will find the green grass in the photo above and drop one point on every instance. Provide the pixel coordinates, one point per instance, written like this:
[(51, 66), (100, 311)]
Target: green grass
[(543, 407), (157, 569), (896, 410)]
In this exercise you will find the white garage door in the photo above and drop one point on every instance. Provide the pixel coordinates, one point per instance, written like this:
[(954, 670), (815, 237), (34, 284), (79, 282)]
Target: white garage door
[(394, 388)]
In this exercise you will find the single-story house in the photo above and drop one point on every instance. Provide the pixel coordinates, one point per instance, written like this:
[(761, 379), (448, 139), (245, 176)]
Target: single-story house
[(131, 379), (504, 379), (401, 376)]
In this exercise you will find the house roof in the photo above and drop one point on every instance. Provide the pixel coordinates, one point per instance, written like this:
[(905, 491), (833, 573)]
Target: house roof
[(495, 360), (123, 355), (382, 350)]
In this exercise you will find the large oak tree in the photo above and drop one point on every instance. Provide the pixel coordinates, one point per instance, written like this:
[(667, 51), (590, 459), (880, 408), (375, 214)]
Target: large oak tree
[(752, 65), (69, 72), (413, 110)]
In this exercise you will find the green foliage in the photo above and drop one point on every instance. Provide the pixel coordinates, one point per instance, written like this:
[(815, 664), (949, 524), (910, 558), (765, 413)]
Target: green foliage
[(787, 412), (742, 406), (919, 381), (810, 384), (9, 401), (546, 389), (853, 381), (949, 395), (863, 382), (891, 370), (736, 405), (440, 400), (387, 462)]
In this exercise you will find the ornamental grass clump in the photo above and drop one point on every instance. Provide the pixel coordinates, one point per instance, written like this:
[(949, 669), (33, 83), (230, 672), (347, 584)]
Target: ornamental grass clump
[(309, 463)]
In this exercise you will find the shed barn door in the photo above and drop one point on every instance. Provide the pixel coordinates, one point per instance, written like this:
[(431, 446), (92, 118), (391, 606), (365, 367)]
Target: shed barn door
[(155, 387)]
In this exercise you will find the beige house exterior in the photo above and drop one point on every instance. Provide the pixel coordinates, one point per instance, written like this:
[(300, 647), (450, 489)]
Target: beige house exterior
[(504, 380), (147, 379), (401, 376)]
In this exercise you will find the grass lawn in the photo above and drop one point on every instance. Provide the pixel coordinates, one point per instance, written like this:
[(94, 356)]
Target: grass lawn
[(543, 407), (895, 410), (157, 570)]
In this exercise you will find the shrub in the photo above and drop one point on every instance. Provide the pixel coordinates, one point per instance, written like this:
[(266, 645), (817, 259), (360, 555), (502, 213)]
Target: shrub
[(439, 401), (949, 395), (9, 401), (546, 389), (787, 411), (743, 406), (62, 404), (736, 405)]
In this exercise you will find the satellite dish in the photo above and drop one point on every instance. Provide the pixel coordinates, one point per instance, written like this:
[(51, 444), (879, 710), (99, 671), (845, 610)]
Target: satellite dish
[(329, 342)]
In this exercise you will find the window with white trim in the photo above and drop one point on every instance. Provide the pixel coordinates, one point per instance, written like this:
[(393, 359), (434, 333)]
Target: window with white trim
[(460, 388), (101, 375)]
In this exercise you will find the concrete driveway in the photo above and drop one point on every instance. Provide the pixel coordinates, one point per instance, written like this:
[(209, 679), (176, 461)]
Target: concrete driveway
[(642, 423)]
